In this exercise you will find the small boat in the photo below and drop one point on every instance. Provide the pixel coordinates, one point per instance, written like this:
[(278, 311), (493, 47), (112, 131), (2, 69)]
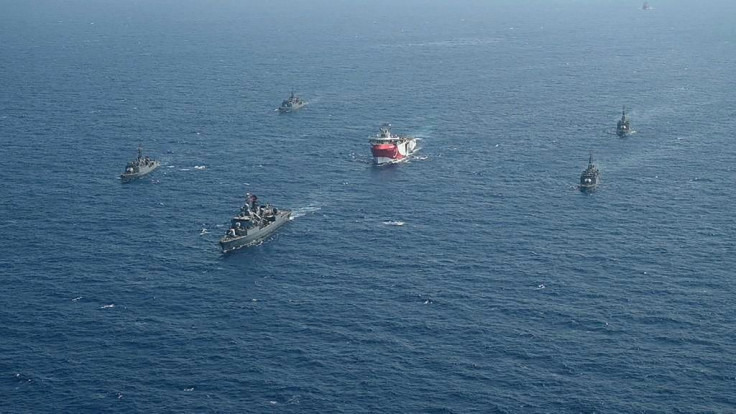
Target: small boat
[(292, 103), (388, 148), (590, 178), (623, 126), (252, 224), (646, 6), (139, 167)]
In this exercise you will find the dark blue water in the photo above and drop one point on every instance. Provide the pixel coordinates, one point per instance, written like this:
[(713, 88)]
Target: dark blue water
[(506, 291)]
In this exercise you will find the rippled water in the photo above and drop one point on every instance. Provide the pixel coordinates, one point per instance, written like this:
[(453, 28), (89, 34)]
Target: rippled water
[(474, 278)]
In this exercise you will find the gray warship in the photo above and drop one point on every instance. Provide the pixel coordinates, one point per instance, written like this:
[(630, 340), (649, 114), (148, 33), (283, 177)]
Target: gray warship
[(139, 167), (252, 224), (623, 127), (590, 177), (293, 103)]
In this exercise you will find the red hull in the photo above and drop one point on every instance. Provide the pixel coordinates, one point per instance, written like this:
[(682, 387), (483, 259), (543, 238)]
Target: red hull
[(386, 151)]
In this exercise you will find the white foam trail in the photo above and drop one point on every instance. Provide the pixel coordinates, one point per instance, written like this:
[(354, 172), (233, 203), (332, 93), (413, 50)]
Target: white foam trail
[(112, 305), (199, 167), (394, 223), (303, 211)]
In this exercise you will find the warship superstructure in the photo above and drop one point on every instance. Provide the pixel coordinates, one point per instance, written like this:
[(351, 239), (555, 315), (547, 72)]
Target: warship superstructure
[(590, 178), (623, 126), (139, 167), (388, 148), (252, 224)]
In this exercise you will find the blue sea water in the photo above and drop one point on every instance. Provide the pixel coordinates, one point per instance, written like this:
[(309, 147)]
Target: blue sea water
[(505, 291)]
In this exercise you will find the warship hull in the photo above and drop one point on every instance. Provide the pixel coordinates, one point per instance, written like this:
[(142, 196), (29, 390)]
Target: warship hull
[(588, 188), (142, 171), (589, 182), (256, 234), (293, 107)]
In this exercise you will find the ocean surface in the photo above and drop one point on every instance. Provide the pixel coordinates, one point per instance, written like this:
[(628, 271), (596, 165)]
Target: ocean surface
[(473, 278)]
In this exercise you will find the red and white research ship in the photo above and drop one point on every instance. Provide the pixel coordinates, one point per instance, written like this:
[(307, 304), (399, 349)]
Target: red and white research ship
[(388, 148)]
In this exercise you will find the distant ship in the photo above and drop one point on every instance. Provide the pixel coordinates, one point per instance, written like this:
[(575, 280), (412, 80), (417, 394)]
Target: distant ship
[(139, 167), (252, 224), (623, 127), (388, 148), (590, 177), (646, 6), (293, 103)]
